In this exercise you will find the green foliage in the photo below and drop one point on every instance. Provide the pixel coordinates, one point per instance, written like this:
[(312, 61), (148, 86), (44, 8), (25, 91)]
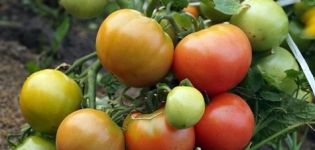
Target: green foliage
[(276, 113), (175, 4), (229, 7), (309, 2)]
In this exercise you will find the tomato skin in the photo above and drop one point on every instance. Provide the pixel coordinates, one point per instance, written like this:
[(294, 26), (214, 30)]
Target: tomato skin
[(214, 59), (84, 8), (151, 132), (265, 23), (89, 129), (227, 124), (184, 107), (134, 48), (46, 97), (36, 143)]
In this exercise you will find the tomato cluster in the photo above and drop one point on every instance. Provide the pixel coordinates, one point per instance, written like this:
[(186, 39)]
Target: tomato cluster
[(136, 50)]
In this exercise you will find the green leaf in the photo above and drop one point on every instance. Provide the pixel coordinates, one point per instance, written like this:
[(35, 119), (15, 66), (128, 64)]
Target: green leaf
[(271, 96), (279, 117), (176, 5), (60, 34), (253, 81), (183, 20), (32, 66), (229, 7)]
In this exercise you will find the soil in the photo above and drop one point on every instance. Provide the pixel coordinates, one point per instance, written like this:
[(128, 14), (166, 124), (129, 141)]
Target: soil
[(23, 33)]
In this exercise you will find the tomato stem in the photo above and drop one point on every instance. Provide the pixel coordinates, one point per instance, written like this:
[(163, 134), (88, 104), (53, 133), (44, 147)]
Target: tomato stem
[(91, 83), (79, 62), (263, 142)]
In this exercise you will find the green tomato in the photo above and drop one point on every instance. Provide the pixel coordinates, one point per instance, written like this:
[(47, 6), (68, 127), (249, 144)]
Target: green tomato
[(47, 97), (84, 8), (273, 69), (264, 22), (207, 10), (36, 143), (184, 107)]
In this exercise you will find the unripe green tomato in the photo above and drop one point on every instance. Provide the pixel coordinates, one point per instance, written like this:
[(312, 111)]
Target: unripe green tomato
[(273, 68), (184, 107), (84, 8), (264, 22), (207, 9), (36, 143)]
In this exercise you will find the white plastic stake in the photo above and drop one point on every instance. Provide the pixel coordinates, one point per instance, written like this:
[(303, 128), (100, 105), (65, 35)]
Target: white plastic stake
[(296, 52)]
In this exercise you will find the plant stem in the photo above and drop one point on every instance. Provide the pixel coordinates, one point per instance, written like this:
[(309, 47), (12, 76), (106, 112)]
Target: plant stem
[(258, 145), (79, 62), (91, 81)]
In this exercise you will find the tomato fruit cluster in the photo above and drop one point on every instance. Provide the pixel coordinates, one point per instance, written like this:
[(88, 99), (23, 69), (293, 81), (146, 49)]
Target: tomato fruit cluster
[(196, 71)]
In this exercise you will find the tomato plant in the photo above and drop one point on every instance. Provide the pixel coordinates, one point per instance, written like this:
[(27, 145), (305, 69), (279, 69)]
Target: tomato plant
[(84, 8), (88, 129), (46, 97), (207, 9), (36, 143), (264, 22), (215, 66), (151, 131), (228, 123), (184, 107), (125, 47)]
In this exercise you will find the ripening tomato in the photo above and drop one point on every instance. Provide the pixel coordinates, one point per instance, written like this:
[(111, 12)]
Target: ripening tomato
[(264, 22), (227, 124), (193, 10), (46, 97), (151, 132), (36, 143), (134, 48), (214, 59), (184, 107), (89, 129), (84, 8)]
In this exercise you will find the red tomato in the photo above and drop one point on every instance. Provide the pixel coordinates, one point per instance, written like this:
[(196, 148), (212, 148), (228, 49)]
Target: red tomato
[(227, 124), (214, 59), (151, 132)]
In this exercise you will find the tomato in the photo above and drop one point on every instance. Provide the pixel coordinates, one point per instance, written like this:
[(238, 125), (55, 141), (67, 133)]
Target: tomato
[(36, 143), (84, 8), (46, 97), (227, 124), (214, 59), (192, 10), (89, 129), (208, 10), (184, 107), (273, 68), (151, 132), (264, 22), (134, 48)]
